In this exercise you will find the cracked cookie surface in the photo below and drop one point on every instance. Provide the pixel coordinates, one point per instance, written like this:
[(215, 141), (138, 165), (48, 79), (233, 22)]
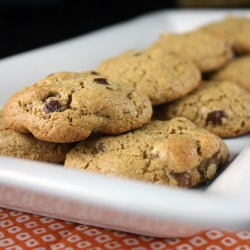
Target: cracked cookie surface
[(28, 147), (68, 107), (237, 71), (234, 29), (206, 51), (222, 107), (164, 77), (174, 152)]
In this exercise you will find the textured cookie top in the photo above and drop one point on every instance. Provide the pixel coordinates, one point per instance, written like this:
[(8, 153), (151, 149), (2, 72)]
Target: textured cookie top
[(173, 152), (237, 71), (234, 29), (67, 107), (26, 146), (206, 51), (221, 107), (163, 77)]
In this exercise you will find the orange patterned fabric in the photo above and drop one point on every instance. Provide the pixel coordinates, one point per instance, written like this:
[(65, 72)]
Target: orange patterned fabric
[(20, 230)]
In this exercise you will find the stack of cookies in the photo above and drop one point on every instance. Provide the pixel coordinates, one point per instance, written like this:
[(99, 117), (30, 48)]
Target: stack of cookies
[(145, 114), (221, 102)]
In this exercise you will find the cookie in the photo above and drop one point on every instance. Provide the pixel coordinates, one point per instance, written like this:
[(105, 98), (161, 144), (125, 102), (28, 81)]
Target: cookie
[(68, 107), (163, 77), (174, 152), (237, 71), (206, 51), (221, 107), (28, 147), (235, 29)]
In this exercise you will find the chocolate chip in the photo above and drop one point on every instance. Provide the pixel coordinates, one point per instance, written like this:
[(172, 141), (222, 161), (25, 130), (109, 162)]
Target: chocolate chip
[(52, 105), (101, 81), (94, 73), (183, 179), (216, 117), (99, 148)]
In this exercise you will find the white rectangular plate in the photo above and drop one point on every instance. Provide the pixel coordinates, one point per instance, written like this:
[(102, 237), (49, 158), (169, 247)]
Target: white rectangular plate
[(106, 201)]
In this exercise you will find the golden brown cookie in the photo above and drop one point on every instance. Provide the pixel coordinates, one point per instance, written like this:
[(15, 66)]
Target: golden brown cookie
[(237, 71), (26, 146), (174, 152), (164, 77), (235, 29), (221, 107), (68, 107), (206, 51)]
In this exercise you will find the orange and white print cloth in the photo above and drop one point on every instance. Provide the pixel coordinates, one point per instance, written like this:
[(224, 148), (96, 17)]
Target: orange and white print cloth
[(20, 230)]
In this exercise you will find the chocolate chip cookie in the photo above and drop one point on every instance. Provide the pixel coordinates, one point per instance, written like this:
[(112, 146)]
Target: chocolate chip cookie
[(173, 152), (26, 146), (237, 71), (164, 77), (68, 107), (222, 107), (206, 51), (235, 29)]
